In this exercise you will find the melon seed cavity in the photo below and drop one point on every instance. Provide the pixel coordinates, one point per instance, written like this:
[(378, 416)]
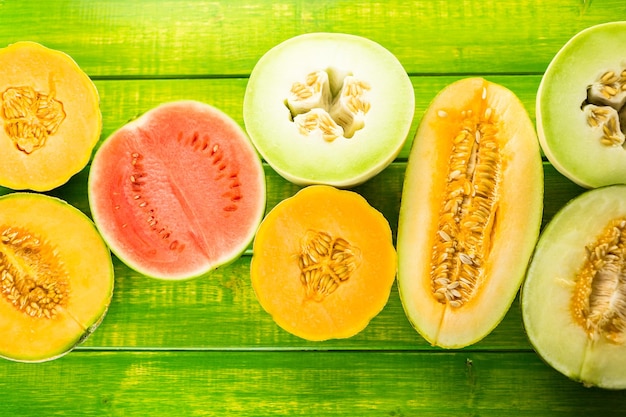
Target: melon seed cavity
[(30, 117), (33, 278), (325, 262), (604, 107), (598, 304), (329, 102), (468, 209)]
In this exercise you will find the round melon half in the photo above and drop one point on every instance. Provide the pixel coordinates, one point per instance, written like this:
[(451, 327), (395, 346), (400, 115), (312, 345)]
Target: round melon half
[(178, 191), (328, 108)]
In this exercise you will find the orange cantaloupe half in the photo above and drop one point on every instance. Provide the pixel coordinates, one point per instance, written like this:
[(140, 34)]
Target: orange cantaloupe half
[(277, 274)]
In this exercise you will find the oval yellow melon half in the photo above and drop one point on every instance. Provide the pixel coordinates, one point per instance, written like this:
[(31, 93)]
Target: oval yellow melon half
[(470, 213)]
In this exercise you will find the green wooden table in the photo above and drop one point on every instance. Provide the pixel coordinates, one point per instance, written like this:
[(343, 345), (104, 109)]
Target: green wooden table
[(205, 347)]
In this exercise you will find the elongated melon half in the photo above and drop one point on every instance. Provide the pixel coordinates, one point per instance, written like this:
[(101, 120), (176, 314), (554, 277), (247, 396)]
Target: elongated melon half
[(470, 213), (328, 108), (581, 111), (574, 297)]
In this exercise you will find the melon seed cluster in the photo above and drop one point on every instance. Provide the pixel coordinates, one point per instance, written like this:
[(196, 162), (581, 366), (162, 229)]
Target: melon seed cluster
[(604, 107), (32, 277), (30, 117), (315, 107), (467, 211), (325, 262), (599, 301)]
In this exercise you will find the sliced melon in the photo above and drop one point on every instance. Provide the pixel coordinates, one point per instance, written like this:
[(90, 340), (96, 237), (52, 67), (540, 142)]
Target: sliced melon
[(50, 117), (574, 297), (581, 117), (56, 275), (328, 108), (470, 212), (178, 191), (323, 263)]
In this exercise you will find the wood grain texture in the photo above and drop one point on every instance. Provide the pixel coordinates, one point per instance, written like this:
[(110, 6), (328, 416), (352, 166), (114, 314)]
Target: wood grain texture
[(270, 383), (205, 346), (148, 38)]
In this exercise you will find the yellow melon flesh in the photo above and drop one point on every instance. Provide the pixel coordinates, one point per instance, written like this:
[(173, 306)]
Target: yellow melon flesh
[(50, 117), (47, 245), (480, 115), (323, 263)]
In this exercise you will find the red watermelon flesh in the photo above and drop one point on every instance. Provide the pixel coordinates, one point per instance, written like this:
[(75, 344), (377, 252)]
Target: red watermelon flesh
[(178, 191)]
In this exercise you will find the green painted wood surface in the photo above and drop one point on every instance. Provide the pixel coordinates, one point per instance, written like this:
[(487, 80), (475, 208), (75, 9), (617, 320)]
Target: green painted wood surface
[(205, 347), (294, 383)]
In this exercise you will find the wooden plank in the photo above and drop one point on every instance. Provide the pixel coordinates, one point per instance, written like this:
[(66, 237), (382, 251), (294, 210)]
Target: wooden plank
[(123, 100), (170, 38), (221, 312), (264, 383)]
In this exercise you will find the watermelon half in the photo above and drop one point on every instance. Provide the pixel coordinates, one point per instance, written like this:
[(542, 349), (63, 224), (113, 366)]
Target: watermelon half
[(178, 191)]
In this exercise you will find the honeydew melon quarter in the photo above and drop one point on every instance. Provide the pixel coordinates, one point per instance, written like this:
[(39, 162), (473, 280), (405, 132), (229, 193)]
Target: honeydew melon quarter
[(328, 108), (580, 107), (589, 347)]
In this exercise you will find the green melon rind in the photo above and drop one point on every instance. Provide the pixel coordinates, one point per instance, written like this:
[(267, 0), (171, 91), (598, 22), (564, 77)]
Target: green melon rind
[(563, 132), (546, 292), (344, 162)]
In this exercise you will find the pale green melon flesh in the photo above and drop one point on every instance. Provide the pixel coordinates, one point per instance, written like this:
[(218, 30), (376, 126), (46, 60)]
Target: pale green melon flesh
[(547, 291), (567, 139), (309, 159)]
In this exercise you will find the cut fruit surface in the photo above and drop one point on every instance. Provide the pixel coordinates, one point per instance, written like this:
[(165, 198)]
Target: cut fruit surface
[(328, 108), (574, 297), (581, 117), (470, 212), (50, 117), (56, 275), (323, 263), (178, 191)]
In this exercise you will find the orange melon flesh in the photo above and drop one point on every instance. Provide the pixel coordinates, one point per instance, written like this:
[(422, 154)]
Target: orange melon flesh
[(88, 269), (67, 148), (512, 231), (276, 274)]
